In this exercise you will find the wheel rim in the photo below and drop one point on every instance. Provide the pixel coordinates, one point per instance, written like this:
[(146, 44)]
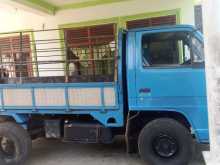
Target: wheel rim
[(165, 146), (7, 147)]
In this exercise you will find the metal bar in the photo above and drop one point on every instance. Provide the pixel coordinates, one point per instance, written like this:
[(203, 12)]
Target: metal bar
[(66, 58), (91, 51), (21, 49), (48, 56), (30, 31), (35, 58), (2, 73), (2, 100), (116, 61), (78, 38)]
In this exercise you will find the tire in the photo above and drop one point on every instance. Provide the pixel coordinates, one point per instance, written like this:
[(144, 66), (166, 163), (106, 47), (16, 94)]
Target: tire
[(18, 142), (165, 142)]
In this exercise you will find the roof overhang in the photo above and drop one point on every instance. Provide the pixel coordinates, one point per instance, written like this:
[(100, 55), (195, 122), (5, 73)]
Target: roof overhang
[(40, 5), (51, 8)]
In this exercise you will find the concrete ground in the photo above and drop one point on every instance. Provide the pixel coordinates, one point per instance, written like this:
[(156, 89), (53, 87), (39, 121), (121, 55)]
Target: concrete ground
[(52, 152)]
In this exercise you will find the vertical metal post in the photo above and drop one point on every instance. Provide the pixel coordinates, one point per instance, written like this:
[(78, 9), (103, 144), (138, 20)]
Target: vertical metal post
[(35, 56), (91, 53), (1, 61), (66, 58), (20, 54), (212, 57), (115, 55)]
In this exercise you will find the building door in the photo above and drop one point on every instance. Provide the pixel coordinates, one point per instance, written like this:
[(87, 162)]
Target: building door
[(149, 22)]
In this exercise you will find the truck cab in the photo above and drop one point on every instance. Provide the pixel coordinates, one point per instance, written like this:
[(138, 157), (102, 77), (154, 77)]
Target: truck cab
[(166, 80)]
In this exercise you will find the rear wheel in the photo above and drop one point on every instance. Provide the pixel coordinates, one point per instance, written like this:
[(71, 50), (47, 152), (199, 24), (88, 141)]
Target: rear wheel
[(165, 142), (15, 144)]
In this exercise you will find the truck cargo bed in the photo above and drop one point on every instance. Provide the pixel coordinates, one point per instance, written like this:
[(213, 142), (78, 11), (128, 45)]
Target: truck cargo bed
[(100, 100)]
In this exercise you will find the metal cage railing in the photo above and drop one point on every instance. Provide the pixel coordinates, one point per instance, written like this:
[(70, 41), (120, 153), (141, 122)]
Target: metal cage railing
[(41, 56)]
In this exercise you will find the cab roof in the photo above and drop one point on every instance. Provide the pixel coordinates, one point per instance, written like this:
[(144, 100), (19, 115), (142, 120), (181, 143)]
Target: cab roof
[(186, 27)]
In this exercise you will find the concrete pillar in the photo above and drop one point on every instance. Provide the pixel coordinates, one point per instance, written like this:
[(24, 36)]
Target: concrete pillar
[(211, 13)]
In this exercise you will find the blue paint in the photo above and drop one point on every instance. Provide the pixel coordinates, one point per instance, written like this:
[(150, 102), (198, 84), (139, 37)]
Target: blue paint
[(175, 89), (179, 89), (101, 113)]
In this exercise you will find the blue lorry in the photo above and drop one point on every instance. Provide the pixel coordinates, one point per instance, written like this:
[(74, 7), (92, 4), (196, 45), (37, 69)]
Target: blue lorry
[(156, 99)]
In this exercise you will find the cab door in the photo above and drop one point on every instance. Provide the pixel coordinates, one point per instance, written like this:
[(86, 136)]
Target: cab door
[(169, 72)]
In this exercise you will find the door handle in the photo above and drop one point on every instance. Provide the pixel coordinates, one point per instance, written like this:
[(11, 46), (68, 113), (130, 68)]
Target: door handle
[(144, 90)]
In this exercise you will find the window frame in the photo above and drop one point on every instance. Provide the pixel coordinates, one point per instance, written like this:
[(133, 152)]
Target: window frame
[(197, 64), (14, 48), (91, 34), (169, 66)]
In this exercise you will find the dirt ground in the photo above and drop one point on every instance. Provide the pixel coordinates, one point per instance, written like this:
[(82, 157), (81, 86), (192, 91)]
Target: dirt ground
[(52, 152)]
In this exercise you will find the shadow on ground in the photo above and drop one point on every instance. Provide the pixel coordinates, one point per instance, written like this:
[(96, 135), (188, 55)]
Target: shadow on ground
[(53, 152)]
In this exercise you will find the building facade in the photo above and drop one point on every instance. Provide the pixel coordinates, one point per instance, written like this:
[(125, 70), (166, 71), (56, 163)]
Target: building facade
[(81, 18)]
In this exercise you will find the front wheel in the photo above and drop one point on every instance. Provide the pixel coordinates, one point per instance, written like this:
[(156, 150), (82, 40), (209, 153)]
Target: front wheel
[(165, 142), (15, 144)]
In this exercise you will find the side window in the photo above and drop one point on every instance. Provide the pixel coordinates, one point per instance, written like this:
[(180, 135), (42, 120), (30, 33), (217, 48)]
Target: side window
[(198, 50), (166, 49)]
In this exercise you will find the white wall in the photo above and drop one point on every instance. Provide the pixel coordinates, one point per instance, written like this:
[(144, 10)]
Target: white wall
[(12, 19)]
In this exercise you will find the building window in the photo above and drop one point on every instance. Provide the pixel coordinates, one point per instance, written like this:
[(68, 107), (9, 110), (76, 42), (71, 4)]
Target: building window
[(149, 22), (15, 60), (91, 51)]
